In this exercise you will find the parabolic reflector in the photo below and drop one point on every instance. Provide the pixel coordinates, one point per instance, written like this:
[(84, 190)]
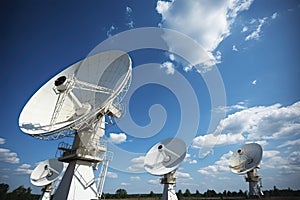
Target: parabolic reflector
[(46, 172), (77, 94), (165, 156), (246, 158)]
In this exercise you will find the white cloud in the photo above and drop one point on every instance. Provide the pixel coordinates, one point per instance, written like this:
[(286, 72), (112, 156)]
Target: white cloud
[(2, 141), (270, 153), (130, 22), (245, 28), (189, 160), (233, 108), (138, 163), (168, 66), (187, 68), (256, 33), (9, 157), (24, 169), (128, 10), (110, 31), (254, 82), (112, 175), (183, 175), (195, 19), (290, 143), (275, 15), (117, 138), (135, 178), (218, 167), (234, 48), (125, 184), (256, 123), (153, 181)]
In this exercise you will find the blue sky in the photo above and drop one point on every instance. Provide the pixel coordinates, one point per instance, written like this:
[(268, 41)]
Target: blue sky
[(247, 73)]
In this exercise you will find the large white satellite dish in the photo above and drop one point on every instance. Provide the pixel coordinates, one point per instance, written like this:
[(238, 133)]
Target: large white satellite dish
[(75, 101), (162, 160), (246, 160), (76, 95)]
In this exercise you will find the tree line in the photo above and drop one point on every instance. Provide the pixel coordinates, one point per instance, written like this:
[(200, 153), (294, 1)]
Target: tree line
[(22, 193)]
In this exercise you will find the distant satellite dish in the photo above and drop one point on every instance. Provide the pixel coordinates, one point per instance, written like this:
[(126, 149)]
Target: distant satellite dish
[(245, 161), (246, 158), (46, 172), (162, 160), (165, 156), (76, 95)]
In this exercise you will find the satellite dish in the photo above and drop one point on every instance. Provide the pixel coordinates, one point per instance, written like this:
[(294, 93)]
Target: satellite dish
[(246, 158), (77, 94), (46, 172), (162, 160), (245, 161), (165, 156), (75, 101)]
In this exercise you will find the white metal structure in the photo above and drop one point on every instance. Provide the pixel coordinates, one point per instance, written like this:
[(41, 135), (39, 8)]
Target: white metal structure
[(162, 160), (246, 160), (45, 174), (75, 102)]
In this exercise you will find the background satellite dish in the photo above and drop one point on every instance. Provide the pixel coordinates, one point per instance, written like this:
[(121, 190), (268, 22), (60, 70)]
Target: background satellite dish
[(77, 94), (246, 158), (165, 156), (46, 172)]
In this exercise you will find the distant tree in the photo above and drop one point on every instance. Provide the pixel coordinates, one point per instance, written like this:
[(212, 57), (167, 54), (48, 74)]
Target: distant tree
[(20, 193), (3, 190), (197, 194), (121, 193), (224, 193), (187, 193), (151, 194), (179, 193)]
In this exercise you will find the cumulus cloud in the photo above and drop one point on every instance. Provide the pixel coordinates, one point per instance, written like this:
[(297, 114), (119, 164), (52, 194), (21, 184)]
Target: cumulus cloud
[(135, 178), (130, 23), (153, 181), (257, 32), (117, 138), (24, 169), (185, 175), (218, 167), (169, 67), (138, 164), (290, 143), (234, 48), (110, 31), (256, 123), (112, 175), (275, 15), (2, 141), (9, 157), (195, 18)]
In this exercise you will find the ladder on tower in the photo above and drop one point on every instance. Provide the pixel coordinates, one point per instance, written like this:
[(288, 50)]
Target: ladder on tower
[(102, 175)]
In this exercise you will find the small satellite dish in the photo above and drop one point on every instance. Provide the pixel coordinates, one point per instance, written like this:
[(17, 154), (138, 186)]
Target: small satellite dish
[(46, 172), (162, 160), (165, 156), (245, 161), (76, 95), (246, 158)]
